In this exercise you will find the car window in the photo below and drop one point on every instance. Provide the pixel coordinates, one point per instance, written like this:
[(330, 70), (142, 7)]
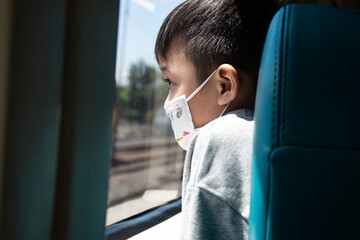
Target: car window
[(147, 163)]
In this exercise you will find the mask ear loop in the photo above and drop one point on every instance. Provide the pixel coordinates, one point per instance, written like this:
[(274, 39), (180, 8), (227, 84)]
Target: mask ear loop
[(224, 109), (200, 87)]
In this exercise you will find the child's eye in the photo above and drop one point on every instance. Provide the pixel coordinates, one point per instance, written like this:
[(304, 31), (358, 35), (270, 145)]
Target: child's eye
[(169, 82)]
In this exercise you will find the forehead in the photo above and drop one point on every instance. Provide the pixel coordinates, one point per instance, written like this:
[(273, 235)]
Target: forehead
[(175, 59)]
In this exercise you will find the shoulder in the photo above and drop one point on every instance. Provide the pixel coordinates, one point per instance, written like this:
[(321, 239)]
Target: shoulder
[(233, 126), (225, 141), (219, 160)]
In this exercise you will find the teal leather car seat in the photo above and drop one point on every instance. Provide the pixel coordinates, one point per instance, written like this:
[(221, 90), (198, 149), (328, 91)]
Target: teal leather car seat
[(306, 158)]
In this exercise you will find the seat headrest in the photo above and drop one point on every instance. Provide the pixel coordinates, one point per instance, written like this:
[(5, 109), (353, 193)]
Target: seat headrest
[(308, 97), (318, 48)]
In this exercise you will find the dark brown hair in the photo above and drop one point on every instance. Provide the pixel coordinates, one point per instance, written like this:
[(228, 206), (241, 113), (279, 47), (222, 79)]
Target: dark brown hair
[(214, 32)]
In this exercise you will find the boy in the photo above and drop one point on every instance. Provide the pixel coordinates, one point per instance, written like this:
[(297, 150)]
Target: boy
[(209, 52)]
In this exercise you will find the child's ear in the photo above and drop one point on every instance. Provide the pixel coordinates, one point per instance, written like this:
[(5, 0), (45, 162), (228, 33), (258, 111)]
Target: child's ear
[(228, 84)]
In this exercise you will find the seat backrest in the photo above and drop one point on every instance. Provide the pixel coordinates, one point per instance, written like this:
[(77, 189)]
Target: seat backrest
[(306, 159)]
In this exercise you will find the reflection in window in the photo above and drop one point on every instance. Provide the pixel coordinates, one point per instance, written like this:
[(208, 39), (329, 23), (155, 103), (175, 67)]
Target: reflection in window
[(146, 165)]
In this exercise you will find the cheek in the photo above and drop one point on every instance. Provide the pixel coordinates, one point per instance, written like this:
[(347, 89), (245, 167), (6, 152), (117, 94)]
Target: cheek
[(203, 109), (175, 92), (197, 110)]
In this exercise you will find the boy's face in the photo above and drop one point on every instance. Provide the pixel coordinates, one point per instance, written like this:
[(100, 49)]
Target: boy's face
[(181, 76)]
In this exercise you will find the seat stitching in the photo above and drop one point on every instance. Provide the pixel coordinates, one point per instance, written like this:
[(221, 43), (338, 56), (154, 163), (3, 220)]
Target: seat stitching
[(285, 84)]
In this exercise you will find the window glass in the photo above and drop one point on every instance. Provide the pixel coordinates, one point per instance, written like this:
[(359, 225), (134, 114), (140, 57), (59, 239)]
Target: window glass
[(147, 163)]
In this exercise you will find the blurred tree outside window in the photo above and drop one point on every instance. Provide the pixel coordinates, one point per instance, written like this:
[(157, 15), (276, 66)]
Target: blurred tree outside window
[(147, 163)]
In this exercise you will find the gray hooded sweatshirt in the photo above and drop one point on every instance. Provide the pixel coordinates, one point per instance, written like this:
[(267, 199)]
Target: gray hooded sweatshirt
[(216, 180)]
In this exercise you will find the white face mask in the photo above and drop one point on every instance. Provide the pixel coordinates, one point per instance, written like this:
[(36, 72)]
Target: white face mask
[(180, 117)]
